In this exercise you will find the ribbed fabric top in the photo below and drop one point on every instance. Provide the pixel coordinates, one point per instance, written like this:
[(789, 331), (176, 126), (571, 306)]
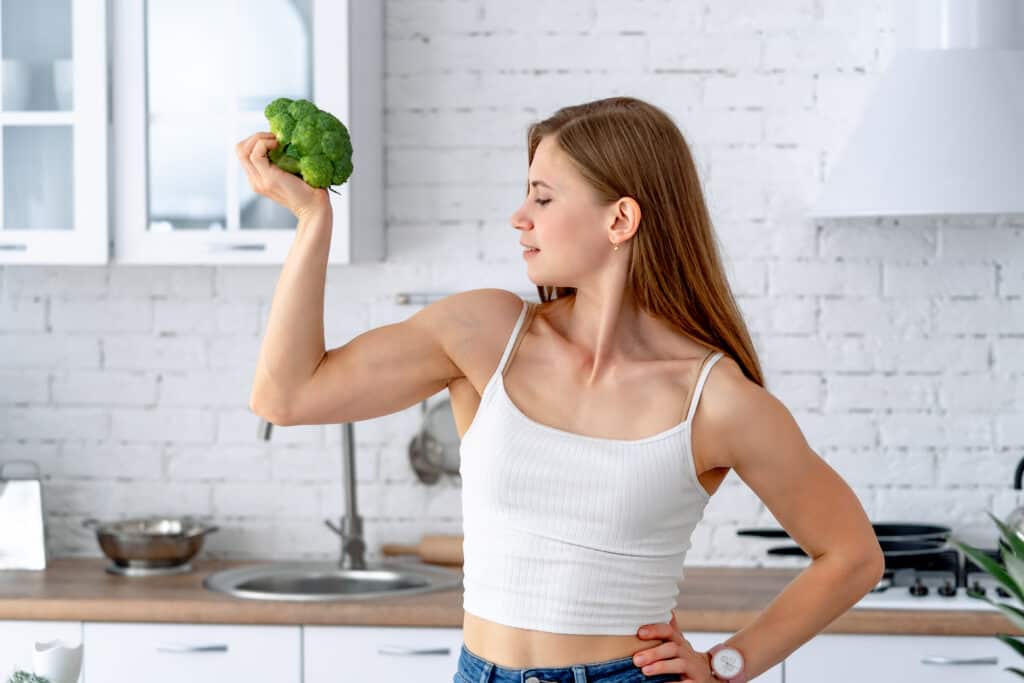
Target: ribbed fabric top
[(568, 533)]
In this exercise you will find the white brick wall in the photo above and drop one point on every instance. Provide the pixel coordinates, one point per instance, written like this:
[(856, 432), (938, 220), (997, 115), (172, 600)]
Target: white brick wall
[(898, 345)]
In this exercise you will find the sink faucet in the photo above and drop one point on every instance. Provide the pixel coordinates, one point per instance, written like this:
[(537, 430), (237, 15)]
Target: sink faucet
[(353, 547)]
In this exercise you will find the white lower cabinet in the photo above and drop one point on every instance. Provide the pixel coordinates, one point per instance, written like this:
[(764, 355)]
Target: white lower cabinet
[(347, 654), (842, 658), (196, 653), (17, 639), (353, 654), (703, 640)]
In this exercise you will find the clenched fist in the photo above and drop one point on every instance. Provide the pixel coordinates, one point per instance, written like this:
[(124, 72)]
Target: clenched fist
[(288, 190)]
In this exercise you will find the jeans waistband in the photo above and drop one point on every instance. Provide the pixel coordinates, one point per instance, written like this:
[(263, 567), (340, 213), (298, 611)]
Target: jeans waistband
[(476, 669)]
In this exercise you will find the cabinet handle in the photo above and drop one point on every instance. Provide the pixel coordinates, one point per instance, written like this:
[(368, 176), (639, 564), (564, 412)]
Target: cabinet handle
[(406, 651), (179, 647), (238, 247), (938, 659)]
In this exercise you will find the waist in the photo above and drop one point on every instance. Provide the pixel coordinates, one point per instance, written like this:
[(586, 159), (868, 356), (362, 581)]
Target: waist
[(520, 648)]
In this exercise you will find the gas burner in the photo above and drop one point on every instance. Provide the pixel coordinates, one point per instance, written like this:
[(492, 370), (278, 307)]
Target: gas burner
[(935, 581), (922, 570)]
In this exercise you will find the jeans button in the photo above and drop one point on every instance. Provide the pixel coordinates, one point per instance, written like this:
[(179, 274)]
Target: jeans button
[(532, 679)]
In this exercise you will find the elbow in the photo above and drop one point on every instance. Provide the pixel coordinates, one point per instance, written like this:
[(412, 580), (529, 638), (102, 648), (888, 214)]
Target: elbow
[(874, 565), (269, 411)]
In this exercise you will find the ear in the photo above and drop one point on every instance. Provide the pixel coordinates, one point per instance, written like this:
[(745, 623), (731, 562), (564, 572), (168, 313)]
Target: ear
[(626, 219)]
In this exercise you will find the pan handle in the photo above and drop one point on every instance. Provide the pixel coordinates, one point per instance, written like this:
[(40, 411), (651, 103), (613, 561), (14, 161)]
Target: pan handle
[(763, 533)]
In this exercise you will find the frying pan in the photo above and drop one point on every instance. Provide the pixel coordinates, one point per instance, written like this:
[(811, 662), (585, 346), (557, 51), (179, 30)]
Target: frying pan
[(892, 531), (889, 548)]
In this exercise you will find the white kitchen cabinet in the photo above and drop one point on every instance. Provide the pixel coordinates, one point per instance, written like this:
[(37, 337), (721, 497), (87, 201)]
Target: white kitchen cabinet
[(843, 658), (340, 654), (191, 80), (53, 132), (17, 639), (350, 654), (197, 653)]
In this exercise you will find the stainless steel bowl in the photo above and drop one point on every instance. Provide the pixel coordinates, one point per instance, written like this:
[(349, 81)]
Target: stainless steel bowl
[(151, 541)]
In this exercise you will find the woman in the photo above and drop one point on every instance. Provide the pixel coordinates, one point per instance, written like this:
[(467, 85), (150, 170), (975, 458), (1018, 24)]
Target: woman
[(586, 462)]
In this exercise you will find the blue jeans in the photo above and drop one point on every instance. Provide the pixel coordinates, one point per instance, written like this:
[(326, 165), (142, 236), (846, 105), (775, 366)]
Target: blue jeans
[(475, 669)]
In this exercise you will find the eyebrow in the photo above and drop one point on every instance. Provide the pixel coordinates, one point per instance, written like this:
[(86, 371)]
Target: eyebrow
[(541, 182)]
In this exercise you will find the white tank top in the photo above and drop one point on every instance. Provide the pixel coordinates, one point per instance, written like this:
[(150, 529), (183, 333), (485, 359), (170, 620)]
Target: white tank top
[(568, 533)]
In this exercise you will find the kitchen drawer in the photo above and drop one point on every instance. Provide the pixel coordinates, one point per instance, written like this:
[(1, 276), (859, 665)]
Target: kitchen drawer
[(351, 654), (840, 658), (197, 653), (18, 637)]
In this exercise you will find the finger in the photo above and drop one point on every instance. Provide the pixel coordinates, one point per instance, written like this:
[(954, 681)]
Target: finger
[(258, 156), (250, 170), (662, 631), (659, 652), (665, 666), (244, 148)]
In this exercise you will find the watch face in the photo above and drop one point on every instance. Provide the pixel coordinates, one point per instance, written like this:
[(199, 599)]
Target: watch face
[(727, 662)]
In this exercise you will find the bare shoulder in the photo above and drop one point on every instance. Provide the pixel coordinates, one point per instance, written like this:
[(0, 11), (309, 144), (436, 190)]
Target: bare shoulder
[(737, 410), (472, 312), (470, 324)]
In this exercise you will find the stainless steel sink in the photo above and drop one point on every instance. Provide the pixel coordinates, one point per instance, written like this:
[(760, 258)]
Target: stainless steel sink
[(351, 577), (321, 581)]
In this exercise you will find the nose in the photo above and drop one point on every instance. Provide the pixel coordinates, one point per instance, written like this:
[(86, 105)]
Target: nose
[(518, 219)]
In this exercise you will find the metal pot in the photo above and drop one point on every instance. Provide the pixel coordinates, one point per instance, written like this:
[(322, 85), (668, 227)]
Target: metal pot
[(150, 541)]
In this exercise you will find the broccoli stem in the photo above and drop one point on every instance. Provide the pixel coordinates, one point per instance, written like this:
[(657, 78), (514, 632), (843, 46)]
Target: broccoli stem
[(280, 157)]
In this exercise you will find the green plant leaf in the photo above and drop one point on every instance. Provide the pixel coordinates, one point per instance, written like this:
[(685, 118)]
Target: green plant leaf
[(1012, 642), (1014, 670), (1015, 615), (990, 566), (1014, 565), (1009, 535)]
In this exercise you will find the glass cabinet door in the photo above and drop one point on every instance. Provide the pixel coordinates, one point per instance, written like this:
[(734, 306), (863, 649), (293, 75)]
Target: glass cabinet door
[(53, 165), (211, 68), (193, 78)]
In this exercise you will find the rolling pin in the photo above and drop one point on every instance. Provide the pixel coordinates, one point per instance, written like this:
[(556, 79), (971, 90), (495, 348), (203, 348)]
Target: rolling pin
[(434, 548)]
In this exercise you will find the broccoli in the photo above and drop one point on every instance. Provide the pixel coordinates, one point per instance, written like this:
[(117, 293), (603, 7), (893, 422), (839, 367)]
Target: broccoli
[(312, 144), (20, 676)]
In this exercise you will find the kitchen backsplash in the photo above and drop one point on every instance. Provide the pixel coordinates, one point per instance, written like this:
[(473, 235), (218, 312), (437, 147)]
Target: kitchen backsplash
[(898, 345)]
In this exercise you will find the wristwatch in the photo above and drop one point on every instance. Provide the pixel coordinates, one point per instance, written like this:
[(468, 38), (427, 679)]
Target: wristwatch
[(727, 664)]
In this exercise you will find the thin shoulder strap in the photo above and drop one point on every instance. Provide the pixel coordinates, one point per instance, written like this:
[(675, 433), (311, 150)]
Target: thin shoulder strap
[(705, 369), (512, 337), (519, 336)]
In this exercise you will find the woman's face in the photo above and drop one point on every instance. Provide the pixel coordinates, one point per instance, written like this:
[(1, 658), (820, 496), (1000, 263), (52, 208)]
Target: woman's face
[(562, 218)]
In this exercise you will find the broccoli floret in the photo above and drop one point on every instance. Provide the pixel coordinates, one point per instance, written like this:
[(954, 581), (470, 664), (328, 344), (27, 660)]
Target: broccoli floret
[(312, 144), (26, 677)]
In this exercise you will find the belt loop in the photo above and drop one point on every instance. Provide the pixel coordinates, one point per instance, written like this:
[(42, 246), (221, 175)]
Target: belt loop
[(579, 673)]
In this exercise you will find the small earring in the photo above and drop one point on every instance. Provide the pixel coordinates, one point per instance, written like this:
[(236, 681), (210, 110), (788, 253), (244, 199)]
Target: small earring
[(616, 247)]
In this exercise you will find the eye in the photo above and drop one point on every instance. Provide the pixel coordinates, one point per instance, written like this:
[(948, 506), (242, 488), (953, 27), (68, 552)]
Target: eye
[(542, 202)]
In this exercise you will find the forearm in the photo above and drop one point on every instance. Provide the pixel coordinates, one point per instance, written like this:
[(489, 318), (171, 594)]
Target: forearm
[(815, 598), (294, 345)]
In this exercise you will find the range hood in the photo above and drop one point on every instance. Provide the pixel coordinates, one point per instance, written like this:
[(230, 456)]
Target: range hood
[(943, 130)]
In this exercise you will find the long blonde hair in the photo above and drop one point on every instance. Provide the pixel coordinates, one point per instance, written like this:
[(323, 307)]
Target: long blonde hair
[(623, 147)]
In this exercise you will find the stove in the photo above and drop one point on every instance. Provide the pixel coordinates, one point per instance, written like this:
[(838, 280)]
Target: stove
[(939, 580)]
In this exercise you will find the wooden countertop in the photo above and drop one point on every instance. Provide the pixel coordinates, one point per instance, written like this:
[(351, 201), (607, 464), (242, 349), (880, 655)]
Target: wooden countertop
[(710, 599)]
